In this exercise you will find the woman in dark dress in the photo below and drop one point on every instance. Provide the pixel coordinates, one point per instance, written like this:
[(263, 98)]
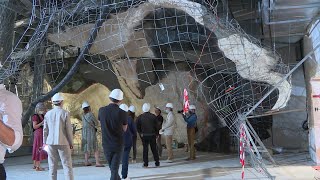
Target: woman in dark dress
[(37, 121)]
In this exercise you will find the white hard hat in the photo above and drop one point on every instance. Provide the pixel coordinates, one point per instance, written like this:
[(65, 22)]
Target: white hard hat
[(169, 105), (85, 104), (124, 107), (116, 94), (132, 109), (146, 107), (192, 107), (57, 98)]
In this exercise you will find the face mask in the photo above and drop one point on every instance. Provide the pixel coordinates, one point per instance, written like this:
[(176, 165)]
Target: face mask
[(41, 112), (167, 110), (190, 112)]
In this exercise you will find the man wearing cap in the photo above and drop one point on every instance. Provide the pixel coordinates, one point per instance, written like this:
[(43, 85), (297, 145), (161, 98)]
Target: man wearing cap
[(114, 122), (147, 128), (57, 134), (159, 120), (11, 133), (191, 119), (168, 129)]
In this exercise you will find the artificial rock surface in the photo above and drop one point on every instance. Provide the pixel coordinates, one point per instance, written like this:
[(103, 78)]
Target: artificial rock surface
[(160, 42)]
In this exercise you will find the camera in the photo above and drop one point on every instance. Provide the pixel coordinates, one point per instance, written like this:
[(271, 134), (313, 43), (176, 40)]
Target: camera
[(180, 112)]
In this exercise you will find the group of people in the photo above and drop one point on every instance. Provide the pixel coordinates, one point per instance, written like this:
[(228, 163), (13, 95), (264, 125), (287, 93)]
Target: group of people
[(120, 128), (53, 135)]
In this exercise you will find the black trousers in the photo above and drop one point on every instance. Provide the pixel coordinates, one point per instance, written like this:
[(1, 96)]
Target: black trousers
[(146, 141), (3, 175), (134, 147), (114, 159)]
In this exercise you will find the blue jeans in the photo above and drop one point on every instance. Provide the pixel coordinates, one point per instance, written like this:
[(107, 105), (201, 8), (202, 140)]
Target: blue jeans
[(114, 159), (125, 162)]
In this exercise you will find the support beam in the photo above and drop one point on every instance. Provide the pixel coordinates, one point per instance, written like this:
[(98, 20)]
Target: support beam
[(288, 7), (288, 21)]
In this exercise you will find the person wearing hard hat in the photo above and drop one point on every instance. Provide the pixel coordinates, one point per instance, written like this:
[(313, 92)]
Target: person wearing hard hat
[(114, 123), (159, 120), (37, 125), (168, 129), (11, 133), (57, 135), (191, 119), (89, 135), (148, 131), (131, 113), (127, 142)]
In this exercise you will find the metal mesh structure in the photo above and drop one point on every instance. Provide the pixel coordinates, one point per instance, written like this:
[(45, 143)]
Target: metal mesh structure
[(232, 70)]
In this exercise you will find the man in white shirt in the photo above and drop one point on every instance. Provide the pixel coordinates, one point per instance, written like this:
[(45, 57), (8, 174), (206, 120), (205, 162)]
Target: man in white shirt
[(11, 133), (57, 134), (168, 128)]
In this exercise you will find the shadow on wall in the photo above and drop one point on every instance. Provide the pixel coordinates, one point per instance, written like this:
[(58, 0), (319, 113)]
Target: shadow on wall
[(217, 136)]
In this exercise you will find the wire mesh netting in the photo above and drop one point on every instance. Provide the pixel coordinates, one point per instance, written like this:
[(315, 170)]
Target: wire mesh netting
[(139, 39)]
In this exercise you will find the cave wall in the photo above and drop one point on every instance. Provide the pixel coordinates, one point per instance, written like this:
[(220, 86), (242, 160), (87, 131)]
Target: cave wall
[(173, 34), (97, 96)]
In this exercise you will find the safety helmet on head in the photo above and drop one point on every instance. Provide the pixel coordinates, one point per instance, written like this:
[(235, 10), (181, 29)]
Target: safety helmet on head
[(116, 94), (158, 108), (132, 109), (146, 107), (85, 104), (124, 107), (57, 98), (192, 107), (169, 105)]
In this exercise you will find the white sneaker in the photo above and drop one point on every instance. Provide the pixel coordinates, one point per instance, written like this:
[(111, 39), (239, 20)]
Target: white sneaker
[(168, 161)]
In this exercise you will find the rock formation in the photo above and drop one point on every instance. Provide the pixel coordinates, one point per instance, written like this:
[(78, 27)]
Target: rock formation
[(176, 44)]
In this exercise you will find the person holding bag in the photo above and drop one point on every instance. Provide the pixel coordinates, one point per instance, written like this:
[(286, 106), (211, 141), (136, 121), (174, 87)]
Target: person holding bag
[(89, 135), (58, 138), (37, 123)]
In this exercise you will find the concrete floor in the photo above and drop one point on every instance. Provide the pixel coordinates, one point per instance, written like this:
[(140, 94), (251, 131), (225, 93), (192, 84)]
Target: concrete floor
[(208, 166)]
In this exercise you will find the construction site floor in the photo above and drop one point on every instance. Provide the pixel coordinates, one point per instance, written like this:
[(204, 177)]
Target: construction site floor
[(208, 166)]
